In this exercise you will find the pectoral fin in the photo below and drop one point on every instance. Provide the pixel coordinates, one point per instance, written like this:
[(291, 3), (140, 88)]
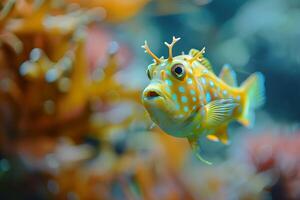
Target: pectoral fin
[(217, 112), (193, 140), (228, 75)]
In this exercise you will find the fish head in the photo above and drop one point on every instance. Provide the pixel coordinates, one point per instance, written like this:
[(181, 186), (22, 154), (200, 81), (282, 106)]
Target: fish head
[(172, 96)]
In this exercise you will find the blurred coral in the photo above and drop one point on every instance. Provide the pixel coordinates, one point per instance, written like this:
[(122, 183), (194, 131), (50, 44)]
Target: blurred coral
[(278, 155), (67, 118), (116, 10)]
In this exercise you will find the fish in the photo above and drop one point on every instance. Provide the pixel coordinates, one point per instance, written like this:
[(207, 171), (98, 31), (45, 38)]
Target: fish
[(186, 99)]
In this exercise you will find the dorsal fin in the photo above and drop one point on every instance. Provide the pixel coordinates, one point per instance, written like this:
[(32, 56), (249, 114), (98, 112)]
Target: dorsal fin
[(228, 75), (201, 59)]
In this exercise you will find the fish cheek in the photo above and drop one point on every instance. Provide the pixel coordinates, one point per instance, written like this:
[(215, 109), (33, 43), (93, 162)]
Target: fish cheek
[(192, 96), (173, 96)]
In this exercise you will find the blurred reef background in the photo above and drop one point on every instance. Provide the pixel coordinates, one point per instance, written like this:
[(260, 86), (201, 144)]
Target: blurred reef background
[(71, 121)]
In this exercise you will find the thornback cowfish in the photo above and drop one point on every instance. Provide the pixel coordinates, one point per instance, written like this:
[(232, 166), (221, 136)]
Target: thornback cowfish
[(185, 98)]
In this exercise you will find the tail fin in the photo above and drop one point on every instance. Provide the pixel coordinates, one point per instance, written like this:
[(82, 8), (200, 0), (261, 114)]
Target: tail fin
[(253, 91)]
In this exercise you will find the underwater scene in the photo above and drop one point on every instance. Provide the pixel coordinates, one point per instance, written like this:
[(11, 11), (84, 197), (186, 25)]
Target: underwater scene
[(149, 100)]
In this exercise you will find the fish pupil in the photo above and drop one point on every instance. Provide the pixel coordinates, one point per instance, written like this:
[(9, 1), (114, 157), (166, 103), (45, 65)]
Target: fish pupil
[(178, 70)]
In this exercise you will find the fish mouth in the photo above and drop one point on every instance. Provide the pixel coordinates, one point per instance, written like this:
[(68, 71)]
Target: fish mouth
[(152, 94)]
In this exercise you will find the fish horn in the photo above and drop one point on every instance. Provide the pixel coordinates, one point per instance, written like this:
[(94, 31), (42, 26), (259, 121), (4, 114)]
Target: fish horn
[(170, 46), (147, 50)]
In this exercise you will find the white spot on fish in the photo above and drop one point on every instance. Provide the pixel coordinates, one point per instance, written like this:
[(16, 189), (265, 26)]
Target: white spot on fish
[(169, 82), (174, 97), (183, 99), (186, 109), (208, 97), (181, 89), (211, 83), (189, 81), (192, 92)]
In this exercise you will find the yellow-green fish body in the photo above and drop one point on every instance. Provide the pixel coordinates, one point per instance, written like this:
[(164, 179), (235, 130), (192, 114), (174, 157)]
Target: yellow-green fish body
[(186, 99)]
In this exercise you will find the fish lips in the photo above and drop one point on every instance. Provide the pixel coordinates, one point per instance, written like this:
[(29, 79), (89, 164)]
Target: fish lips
[(155, 100), (152, 95)]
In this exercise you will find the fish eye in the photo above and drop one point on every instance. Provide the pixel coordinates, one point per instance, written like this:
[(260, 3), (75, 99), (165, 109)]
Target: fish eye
[(148, 74), (178, 71)]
